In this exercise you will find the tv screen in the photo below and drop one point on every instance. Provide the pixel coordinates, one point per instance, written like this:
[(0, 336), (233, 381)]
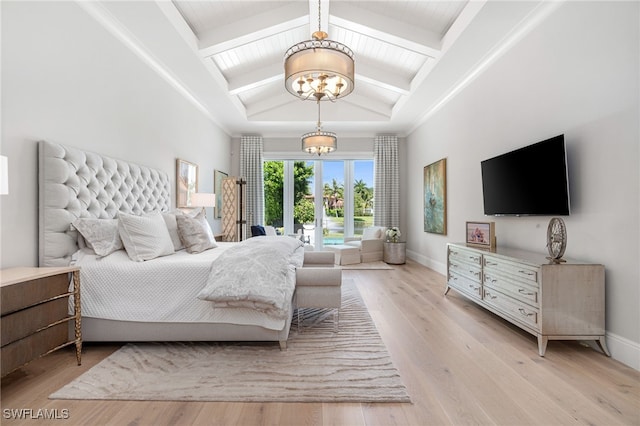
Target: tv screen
[(528, 181)]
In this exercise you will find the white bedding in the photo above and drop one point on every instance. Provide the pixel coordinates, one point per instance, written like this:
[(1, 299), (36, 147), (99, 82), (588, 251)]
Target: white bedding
[(256, 274), (159, 290)]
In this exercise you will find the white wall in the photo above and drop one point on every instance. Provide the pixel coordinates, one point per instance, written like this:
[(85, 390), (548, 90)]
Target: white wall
[(577, 73), (67, 80)]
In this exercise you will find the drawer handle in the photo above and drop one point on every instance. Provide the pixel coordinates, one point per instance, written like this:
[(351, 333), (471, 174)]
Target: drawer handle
[(525, 313), (453, 265), (476, 273), (454, 252), (526, 293), (491, 263), (486, 293), (474, 258), (488, 278), (527, 272)]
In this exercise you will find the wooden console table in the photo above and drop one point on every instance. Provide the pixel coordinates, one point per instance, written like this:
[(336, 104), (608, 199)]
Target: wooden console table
[(551, 301), (35, 313)]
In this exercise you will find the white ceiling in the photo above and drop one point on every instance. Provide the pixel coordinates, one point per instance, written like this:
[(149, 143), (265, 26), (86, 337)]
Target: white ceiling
[(410, 56)]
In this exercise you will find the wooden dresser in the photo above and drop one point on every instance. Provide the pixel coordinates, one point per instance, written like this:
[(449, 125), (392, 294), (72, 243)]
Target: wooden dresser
[(34, 306), (551, 301)]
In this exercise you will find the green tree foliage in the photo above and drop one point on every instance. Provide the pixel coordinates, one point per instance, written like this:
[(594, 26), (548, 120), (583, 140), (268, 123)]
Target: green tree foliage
[(303, 211), (362, 197), (274, 190), (333, 195)]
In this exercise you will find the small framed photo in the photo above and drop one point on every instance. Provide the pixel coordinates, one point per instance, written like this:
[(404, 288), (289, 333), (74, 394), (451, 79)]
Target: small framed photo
[(481, 234)]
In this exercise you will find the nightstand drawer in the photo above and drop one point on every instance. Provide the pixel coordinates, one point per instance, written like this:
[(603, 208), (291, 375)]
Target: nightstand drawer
[(28, 293), (24, 350), (21, 324)]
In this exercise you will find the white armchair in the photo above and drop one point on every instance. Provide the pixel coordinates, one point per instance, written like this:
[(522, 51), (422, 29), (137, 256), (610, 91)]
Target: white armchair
[(270, 231), (370, 245)]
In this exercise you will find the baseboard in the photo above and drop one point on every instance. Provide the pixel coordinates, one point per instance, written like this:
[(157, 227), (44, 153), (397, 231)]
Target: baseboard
[(429, 263), (622, 349)]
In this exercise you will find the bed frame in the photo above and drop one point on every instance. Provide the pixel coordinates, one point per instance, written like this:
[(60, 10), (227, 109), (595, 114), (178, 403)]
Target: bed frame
[(75, 183)]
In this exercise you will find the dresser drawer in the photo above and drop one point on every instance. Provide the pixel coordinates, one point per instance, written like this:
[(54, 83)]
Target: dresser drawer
[(467, 256), (469, 287), (512, 307), (516, 289), (21, 324), (471, 271), (520, 271)]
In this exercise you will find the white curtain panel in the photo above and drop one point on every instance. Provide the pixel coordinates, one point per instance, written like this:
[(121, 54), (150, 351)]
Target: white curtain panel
[(386, 192), (251, 170)]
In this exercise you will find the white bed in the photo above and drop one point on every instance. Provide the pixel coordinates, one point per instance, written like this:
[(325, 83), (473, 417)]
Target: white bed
[(123, 300)]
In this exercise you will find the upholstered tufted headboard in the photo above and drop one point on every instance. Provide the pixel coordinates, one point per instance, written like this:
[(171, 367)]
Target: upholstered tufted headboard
[(75, 183)]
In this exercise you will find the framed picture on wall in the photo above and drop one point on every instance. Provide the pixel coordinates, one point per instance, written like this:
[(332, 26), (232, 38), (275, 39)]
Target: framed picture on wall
[(481, 234), (186, 182), (435, 197), (218, 176)]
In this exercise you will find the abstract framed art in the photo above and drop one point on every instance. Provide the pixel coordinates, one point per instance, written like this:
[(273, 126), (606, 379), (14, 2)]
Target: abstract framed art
[(435, 197), (186, 182), (218, 176)]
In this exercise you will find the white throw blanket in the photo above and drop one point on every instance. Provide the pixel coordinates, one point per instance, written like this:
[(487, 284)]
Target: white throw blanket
[(258, 273)]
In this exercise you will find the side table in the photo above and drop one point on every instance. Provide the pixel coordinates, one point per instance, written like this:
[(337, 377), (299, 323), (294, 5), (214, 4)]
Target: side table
[(35, 314), (395, 253)]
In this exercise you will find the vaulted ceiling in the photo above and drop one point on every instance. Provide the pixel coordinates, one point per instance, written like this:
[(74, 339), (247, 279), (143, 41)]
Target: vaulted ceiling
[(410, 56), (396, 44)]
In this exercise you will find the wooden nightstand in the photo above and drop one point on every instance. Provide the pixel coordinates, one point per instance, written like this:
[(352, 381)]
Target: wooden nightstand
[(34, 307)]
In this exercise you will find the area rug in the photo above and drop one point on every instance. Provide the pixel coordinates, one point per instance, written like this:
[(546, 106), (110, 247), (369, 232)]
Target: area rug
[(368, 265), (319, 365)]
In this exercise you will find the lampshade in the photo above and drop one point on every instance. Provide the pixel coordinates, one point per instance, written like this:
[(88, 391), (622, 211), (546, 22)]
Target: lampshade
[(319, 142), (4, 175), (203, 199), (319, 69)]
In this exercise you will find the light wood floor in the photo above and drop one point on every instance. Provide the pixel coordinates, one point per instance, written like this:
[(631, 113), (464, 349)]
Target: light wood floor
[(461, 365)]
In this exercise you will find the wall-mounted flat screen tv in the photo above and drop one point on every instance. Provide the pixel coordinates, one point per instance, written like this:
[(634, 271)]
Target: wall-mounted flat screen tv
[(528, 181)]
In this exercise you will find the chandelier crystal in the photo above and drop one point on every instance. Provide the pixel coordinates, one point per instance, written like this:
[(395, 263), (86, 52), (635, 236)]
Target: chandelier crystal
[(319, 69), (319, 142)]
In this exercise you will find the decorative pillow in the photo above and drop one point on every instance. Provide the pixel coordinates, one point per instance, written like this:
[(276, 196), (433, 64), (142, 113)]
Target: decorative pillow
[(195, 233), (172, 227), (100, 235), (258, 231), (144, 237), (372, 233)]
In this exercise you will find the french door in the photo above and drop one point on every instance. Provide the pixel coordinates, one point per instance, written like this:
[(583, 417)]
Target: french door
[(320, 201)]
